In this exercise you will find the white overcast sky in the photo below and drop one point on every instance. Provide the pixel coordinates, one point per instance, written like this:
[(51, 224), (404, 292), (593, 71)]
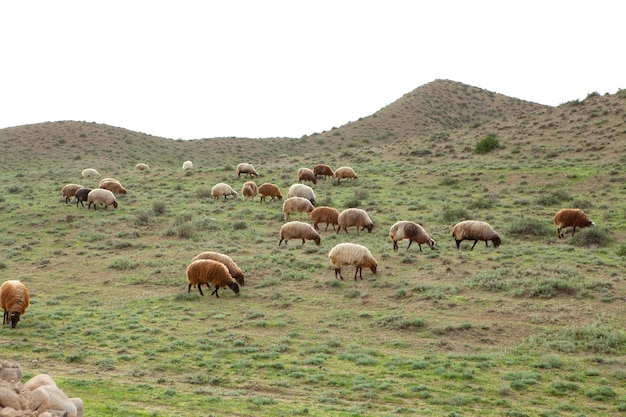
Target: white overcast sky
[(265, 68)]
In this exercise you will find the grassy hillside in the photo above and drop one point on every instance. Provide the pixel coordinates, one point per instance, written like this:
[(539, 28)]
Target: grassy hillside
[(534, 327)]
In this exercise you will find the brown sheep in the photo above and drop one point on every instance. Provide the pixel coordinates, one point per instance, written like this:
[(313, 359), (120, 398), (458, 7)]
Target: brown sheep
[(269, 190), (345, 254), (233, 268), (475, 230), (305, 174), (207, 271), (298, 230), (69, 190), (113, 186), (345, 172), (405, 229), (14, 300), (326, 215), (323, 170), (571, 218)]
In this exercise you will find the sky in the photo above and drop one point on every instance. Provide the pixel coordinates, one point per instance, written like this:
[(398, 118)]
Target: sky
[(287, 68)]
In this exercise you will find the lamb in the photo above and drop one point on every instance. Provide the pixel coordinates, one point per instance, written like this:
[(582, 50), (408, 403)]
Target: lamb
[(208, 271), (14, 299), (81, 195), (90, 172), (475, 230), (301, 190), (269, 190), (142, 167), (249, 190), (345, 172), (571, 218), (345, 254), (101, 196), (298, 230), (323, 170), (305, 174), (69, 191), (233, 269), (246, 169), (298, 204), (223, 190), (326, 215), (113, 186), (405, 229), (354, 217), (187, 165)]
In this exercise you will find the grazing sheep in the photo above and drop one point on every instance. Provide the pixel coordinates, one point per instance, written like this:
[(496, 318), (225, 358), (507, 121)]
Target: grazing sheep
[(354, 217), (405, 229), (223, 190), (298, 230), (475, 230), (269, 190), (14, 299), (187, 165), (81, 195), (345, 172), (249, 190), (301, 190), (571, 218), (113, 186), (90, 172), (246, 169), (142, 167), (305, 174), (326, 215), (208, 271), (103, 180), (345, 254), (101, 196), (233, 269), (69, 191), (323, 170), (299, 204)]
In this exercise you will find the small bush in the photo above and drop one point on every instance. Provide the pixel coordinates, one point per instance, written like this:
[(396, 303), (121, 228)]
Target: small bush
[(453, 215), (529, 227), (185, 231), (158, 207), (590, 236), (487, 144)]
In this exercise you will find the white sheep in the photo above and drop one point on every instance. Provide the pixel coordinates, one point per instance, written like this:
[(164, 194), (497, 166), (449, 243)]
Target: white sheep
[(101, 196), (69, 191), (208, 271), (475, 230), (298, 230), (326, 215), (345, 172), (345, 254), (246, 169), (301, 190), (296, 204), (249, 190), (14, 300), (354, 217), (233, 268), (571, 218), (223, 190), (90, 172), (306, 174), (406, 229), (142, 167), (187, 165)]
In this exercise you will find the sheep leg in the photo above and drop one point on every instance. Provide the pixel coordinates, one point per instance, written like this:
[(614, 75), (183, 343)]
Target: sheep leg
[(395, 245), (458, 243), (217, 287), (573, 230), (302, 241), (200, 289), (338, 270), (475, 242), (281, 241), (359, 270)]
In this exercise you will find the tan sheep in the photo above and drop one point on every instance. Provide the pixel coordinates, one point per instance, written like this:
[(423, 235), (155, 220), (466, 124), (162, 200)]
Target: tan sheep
[(14, 300), (406, 229), (142, 167), (298, 230), (246, 169), (323, 170), (354, 217), (269, 190), (233, 268), (571, 218), (475, 230), (301, 190), (326, 215), (90, 172), (249, 190), (223, 190), (187, 165), (306, 174), (296, 204), (208, 271), (345, 172), (114, 186), (69, 190), (101, 196), (345, 254)]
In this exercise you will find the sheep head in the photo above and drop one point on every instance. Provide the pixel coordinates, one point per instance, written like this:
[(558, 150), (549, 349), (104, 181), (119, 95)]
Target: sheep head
[(14, 317), (234, 286)]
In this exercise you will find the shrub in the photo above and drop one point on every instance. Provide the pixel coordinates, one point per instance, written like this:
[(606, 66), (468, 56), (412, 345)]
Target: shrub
[(487, 144), (529, 227), (158, 207), (453, 215), (590, 236)]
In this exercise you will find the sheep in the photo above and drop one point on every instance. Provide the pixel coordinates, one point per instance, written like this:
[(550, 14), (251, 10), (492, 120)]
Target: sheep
[(208, 271), (223, 190), (345, 254), (69, 190), (187, 165), (475, 230), (305, 174), (14, 299), (571, 218), (323, 170), (142, 167), (298, 230), (113, 186), (103, 180), (344, 172), (101, 196), (81, 195), (249, 190), (90, 172), (298, 204), (246, 169), (405, 229), (233, 269), (354, 217), (269, 190), (326, 215), (301, 190)]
